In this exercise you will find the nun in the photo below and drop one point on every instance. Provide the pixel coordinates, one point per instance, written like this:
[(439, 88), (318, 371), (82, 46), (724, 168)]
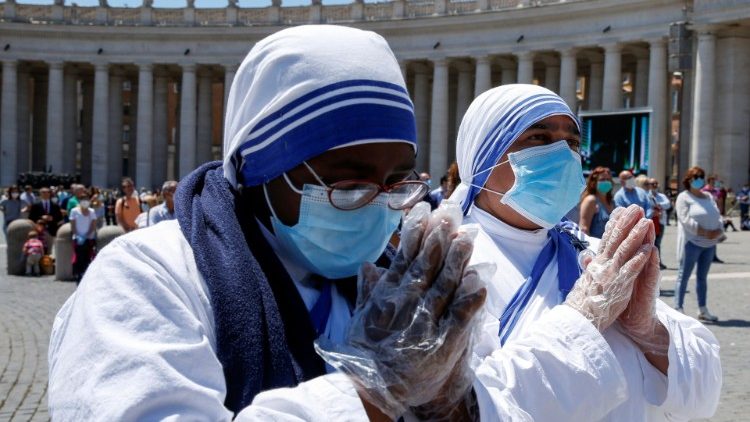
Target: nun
[(518, 157)]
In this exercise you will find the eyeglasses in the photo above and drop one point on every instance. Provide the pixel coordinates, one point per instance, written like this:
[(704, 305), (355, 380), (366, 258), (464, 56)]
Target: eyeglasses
[(350, 195)]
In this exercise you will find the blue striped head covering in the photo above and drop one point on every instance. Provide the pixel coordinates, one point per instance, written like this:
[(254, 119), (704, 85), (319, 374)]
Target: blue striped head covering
[(493, 121), (308, 89)]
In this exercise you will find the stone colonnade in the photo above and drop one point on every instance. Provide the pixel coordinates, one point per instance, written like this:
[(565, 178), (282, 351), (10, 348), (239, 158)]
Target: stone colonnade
[(79, 120), (57, 117), (586, 77)]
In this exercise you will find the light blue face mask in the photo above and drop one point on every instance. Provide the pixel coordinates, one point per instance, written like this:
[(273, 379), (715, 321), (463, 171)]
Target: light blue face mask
[(698, 183), (331, 242), (549, 182)]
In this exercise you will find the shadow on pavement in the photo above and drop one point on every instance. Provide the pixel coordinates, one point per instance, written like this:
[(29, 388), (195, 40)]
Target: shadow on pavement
[(666, 292), (734, 323)]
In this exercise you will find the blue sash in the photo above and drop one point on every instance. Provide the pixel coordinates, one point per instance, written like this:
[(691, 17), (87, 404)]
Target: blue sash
[(561, 243), (322, 309)]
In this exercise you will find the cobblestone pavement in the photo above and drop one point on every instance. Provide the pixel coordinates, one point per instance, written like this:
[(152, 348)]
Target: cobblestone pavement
[(28, 306)]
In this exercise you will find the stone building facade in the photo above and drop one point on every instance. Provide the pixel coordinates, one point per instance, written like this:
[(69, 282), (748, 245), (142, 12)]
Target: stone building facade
[(107, 92)]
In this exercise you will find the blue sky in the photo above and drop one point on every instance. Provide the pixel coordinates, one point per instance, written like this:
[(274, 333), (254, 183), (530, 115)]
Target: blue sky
[(198, 3)]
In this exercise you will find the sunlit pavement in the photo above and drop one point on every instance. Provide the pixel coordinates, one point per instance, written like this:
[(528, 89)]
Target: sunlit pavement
[(29, 304)]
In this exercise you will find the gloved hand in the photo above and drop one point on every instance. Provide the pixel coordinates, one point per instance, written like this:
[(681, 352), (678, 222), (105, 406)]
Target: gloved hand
[(606, 285), (409, 339), (639, 319)]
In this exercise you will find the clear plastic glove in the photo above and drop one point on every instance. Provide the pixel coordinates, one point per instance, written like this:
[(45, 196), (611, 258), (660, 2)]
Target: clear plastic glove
[(604, 289), (639, 319), (409, 341)]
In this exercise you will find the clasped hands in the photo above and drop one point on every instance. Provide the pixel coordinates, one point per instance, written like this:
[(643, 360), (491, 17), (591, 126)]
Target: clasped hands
[(409, 343), (622, 282)]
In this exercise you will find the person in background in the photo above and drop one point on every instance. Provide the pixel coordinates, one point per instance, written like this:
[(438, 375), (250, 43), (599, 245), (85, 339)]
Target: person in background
[(149, 201), (110, 197), (661, 204), (43, 235), (28, 195), (165, 210), (436, 196), (453, 180), (713, 187), (83, 227), (12, 206), (699, 228), (128, 206), (743, 197), (33, 250), (47, 209), (671, 192), (97, 204), (597, 203), (77, 190), (630, 194)]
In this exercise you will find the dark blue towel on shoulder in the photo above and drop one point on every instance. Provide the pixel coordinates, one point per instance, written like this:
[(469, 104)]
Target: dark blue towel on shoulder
[(253, 318)]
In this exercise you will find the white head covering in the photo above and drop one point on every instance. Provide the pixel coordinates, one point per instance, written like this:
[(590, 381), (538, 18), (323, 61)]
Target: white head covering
[(493, 121), (308, 89)]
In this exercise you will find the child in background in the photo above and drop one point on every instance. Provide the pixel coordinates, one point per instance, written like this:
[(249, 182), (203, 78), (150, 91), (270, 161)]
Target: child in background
[(33, 249)]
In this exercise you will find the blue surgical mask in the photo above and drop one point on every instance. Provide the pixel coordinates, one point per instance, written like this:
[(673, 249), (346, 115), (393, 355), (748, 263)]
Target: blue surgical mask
[(698, 183), (549, 182), (334, 243), (604, 186)]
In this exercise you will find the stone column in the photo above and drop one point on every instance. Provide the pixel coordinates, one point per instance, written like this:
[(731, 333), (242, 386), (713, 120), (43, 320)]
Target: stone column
[(145, 134), (702, 137), (8, 128), (612, 86), (641, 82), (568, 76), (55, 117), (23, 129), (187, 120), (87, 129), (732, 145), (100, 129), (509, 75), (203, 152), (114, 163), (525, 67), (595, 85), (483, 79), (439, 119), (552, 78), (39, 121), (70, 121), (422, 115), (658, 98), (464, 91), (161, 135)]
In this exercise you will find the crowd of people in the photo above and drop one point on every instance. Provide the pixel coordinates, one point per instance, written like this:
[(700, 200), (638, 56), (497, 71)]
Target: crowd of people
[(86, 208)]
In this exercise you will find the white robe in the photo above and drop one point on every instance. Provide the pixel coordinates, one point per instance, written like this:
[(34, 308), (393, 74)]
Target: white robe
[(136, 342), (693, 382)]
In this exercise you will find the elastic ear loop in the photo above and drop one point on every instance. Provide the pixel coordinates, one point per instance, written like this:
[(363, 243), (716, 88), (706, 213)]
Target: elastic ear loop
[(291, 186), (485, 171), (268, 201)]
